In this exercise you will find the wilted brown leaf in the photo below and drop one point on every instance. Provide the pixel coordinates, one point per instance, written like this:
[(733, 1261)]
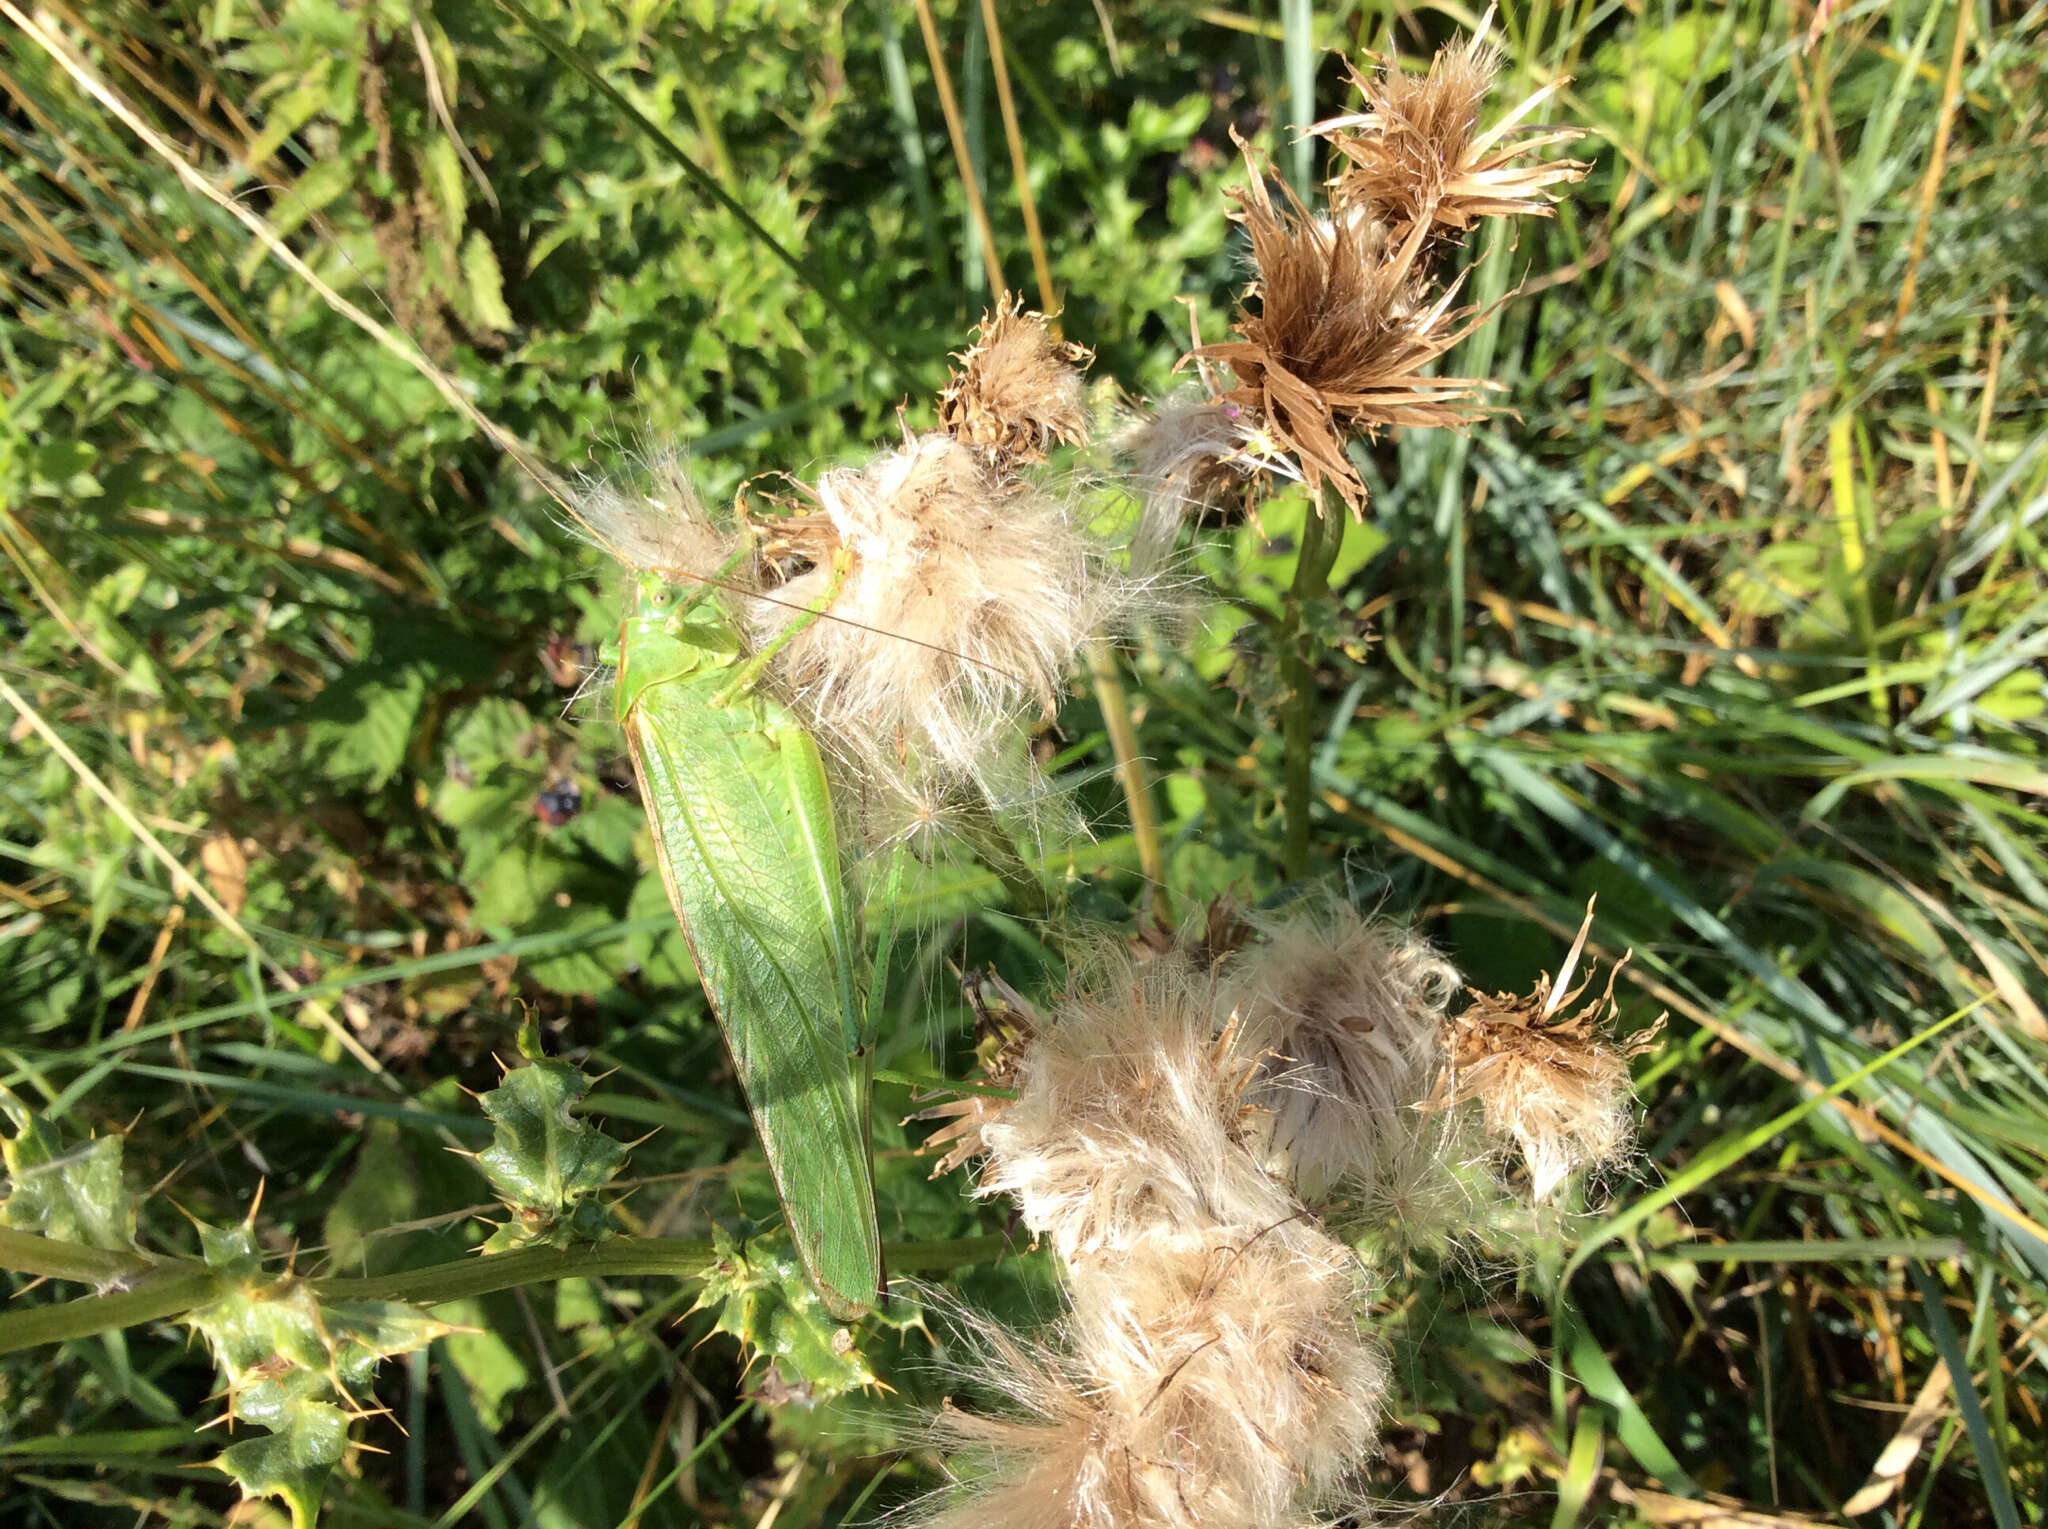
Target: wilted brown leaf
[(227, 871)]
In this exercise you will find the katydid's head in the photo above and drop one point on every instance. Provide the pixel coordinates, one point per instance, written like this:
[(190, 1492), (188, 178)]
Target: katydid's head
[(653, 595)]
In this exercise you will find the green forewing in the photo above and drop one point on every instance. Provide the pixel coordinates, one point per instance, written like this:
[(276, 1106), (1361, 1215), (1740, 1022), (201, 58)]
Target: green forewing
[(743, 824)]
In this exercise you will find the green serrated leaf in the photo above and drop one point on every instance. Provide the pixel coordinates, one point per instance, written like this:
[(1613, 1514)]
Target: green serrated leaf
[(441, 170), (544, 1162), (298, 106), (73, 1193)]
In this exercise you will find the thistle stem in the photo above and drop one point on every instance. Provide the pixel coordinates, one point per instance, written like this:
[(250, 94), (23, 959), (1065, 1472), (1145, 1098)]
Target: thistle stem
[(1322, 538), (176, 1293), (169, 1287)]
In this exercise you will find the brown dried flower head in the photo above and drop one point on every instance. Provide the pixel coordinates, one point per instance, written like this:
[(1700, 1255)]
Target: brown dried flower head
[(1018, 392), (1349, 313), (1341, 339), (1007, 1025), (1548, 1075), (1415, 158)]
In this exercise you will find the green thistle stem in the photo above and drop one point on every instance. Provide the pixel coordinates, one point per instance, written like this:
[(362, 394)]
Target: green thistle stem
[(27, 1253), (168, 1287)]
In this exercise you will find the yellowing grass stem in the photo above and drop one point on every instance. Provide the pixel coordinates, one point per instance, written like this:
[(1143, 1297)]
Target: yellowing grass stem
[(1322, 538)]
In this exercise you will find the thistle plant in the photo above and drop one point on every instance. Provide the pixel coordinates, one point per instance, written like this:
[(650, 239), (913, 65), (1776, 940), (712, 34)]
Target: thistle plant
[(1352, 307)]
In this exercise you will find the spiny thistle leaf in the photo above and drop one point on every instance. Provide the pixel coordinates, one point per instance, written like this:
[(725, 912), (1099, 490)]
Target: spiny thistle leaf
[(295, 1367), (764, 1300), (291, 1465), (545, 1163), (72, 1193)]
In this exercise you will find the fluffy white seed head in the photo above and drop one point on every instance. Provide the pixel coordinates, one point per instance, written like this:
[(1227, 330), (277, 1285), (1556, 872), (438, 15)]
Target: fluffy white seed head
[(1346, 1019), (1130, 1122), (965, 600), (658, 524), (1210, 1371), (1223, 1384), (1567, 1109), (1186, 457)]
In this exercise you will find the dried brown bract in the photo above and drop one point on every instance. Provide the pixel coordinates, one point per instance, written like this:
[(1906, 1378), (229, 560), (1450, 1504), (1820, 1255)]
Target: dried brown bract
[(1007, 1025), (960, 1140), (1416, 160), (1548, 1075), (1018, 392), (1341, 341)]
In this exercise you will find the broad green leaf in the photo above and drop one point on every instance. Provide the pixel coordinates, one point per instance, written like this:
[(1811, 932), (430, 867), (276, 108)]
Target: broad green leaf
[(441, 170), (361, 726), (321, 183)]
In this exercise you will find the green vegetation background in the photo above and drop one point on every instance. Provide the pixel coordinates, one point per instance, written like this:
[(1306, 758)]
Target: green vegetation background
[(1736, 619)]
